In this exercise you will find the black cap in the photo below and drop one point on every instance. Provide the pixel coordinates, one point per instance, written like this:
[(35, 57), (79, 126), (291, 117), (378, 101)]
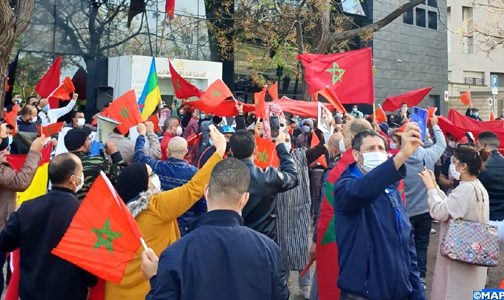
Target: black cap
[(76, 137)]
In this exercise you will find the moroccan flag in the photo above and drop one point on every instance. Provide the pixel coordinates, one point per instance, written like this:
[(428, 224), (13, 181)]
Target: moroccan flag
[(11, 117), (266, 153), (379, 115), (183, 89), (170, 8), (327, 249), (431, 111), (349, 74), (151, 95), (465, 98), (63, 91), (330, 96), (322, 161), (314, 97), (49, 82), (260, 104), (103, 236), (492, 117), (125, 110), (412, 98), (155, 120), (216, 93), (52, 129), (226, 109), (273, 91)]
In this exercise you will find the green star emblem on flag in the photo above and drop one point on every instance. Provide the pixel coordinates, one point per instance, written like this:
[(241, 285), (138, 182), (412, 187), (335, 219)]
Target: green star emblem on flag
[(105, 236), (125, 113), (216, 93), (336, 73), (263, 156), (178, 86)]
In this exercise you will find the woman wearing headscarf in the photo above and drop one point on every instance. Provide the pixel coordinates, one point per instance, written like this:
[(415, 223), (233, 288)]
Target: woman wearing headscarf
[(156, 214)]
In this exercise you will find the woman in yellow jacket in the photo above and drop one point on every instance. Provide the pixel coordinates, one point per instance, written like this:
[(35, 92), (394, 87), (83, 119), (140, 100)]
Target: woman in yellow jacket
[(156, 214)]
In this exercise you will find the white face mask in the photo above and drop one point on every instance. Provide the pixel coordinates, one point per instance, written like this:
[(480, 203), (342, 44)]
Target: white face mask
[(341, 145), (373, 160), (452, 144), (393, 146), (179, 130), (81, 122), (288, 146), (34, 119), (453, 173), (156, 183), (404, 109), (81, 184)]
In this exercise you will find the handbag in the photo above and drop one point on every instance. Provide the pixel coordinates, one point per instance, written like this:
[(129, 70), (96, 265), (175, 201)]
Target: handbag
[(472, 243)]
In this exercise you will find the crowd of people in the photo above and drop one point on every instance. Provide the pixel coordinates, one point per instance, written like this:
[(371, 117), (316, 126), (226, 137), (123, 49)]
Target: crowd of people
[(220, 227)]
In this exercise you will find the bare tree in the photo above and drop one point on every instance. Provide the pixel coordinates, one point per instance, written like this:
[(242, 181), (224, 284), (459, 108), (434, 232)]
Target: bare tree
[(13, 21), (491, 34)]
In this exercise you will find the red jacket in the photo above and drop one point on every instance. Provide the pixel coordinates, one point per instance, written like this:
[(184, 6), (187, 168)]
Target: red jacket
[(164, 144)]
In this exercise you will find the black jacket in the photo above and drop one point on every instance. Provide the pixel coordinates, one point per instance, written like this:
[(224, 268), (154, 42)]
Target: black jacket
[(261, 210), (36, 228), (492, 179), (220, 259)]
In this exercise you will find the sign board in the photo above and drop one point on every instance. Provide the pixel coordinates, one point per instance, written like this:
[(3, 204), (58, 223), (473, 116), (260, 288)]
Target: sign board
[(494, 84)]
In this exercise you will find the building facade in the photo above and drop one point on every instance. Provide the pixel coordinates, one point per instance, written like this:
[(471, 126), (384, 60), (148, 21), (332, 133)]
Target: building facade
[(470, 66), (411, 52)]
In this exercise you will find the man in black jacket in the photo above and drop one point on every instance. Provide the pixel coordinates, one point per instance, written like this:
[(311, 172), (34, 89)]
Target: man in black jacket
[(38, 226), (261, 210), (492, 177)]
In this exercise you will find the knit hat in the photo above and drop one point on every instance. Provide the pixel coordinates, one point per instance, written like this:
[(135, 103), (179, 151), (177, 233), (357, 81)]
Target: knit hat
[(133, 180), (76, 137)]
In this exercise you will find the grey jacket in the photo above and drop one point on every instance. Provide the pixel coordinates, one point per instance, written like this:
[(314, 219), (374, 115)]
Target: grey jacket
[(127, 146), (416, 193)]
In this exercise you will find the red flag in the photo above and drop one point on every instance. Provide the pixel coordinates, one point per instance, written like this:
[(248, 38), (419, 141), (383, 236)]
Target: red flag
[(125, 110), (492, 117), (314, 97), (273, 91), (63, 91), (260, 104), (52, 129), (265, 153), (431, 111), (329, 94), (11, 118), (226, 109), (155, 120), (379, 115), (183, 89), (412, 98), (216, 93), (170, 8), (465, 98), (12, 292), (16, 161), (103, 236), (301, 108), (501, 286), (349, 74), (50, 80), (402, 128), (322, 159)]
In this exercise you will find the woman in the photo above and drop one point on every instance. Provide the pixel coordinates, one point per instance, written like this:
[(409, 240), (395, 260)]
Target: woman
[(469, 202), (156, 214)]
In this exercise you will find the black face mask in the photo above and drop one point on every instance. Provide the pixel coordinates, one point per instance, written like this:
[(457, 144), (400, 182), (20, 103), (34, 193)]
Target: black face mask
[(4, 144)]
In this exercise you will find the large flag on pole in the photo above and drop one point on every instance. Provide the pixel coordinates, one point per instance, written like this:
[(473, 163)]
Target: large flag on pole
[(151, 95), (216, 93), (63, 91), (103, 236), (348, 74), (183, 89), (411, 98), (50, 82), (125, 110), (260, 104)]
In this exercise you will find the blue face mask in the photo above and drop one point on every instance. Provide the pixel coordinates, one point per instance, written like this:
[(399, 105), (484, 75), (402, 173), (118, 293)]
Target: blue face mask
[(45, 108), (476, 114), (306, 128)]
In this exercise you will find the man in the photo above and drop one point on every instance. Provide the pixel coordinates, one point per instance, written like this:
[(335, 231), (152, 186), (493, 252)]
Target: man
[(492, 177), (400, 117), (260, 212), (416, 194), (173, 172), (294, 131), (78, 142), (377, 257), (220, 258), (171, 128), (127, 146), (356, 113), (27, 119), (32, 100), (473, 113), (44, 275), (446, 182), (49, 116), (12, 181), (205, 155)]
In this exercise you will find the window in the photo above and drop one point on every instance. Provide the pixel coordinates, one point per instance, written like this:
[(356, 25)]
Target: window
[(408, 16), (433, 20), (420, 17), (474, 78), (432, 3), (469, 44)]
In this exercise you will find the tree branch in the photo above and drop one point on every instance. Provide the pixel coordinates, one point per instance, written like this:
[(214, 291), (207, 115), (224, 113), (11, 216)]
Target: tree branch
[(347, 34), (126, 39)]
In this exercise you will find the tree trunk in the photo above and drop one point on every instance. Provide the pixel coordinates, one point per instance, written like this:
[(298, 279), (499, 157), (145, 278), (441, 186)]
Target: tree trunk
[(13, 22), (322, 39)]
